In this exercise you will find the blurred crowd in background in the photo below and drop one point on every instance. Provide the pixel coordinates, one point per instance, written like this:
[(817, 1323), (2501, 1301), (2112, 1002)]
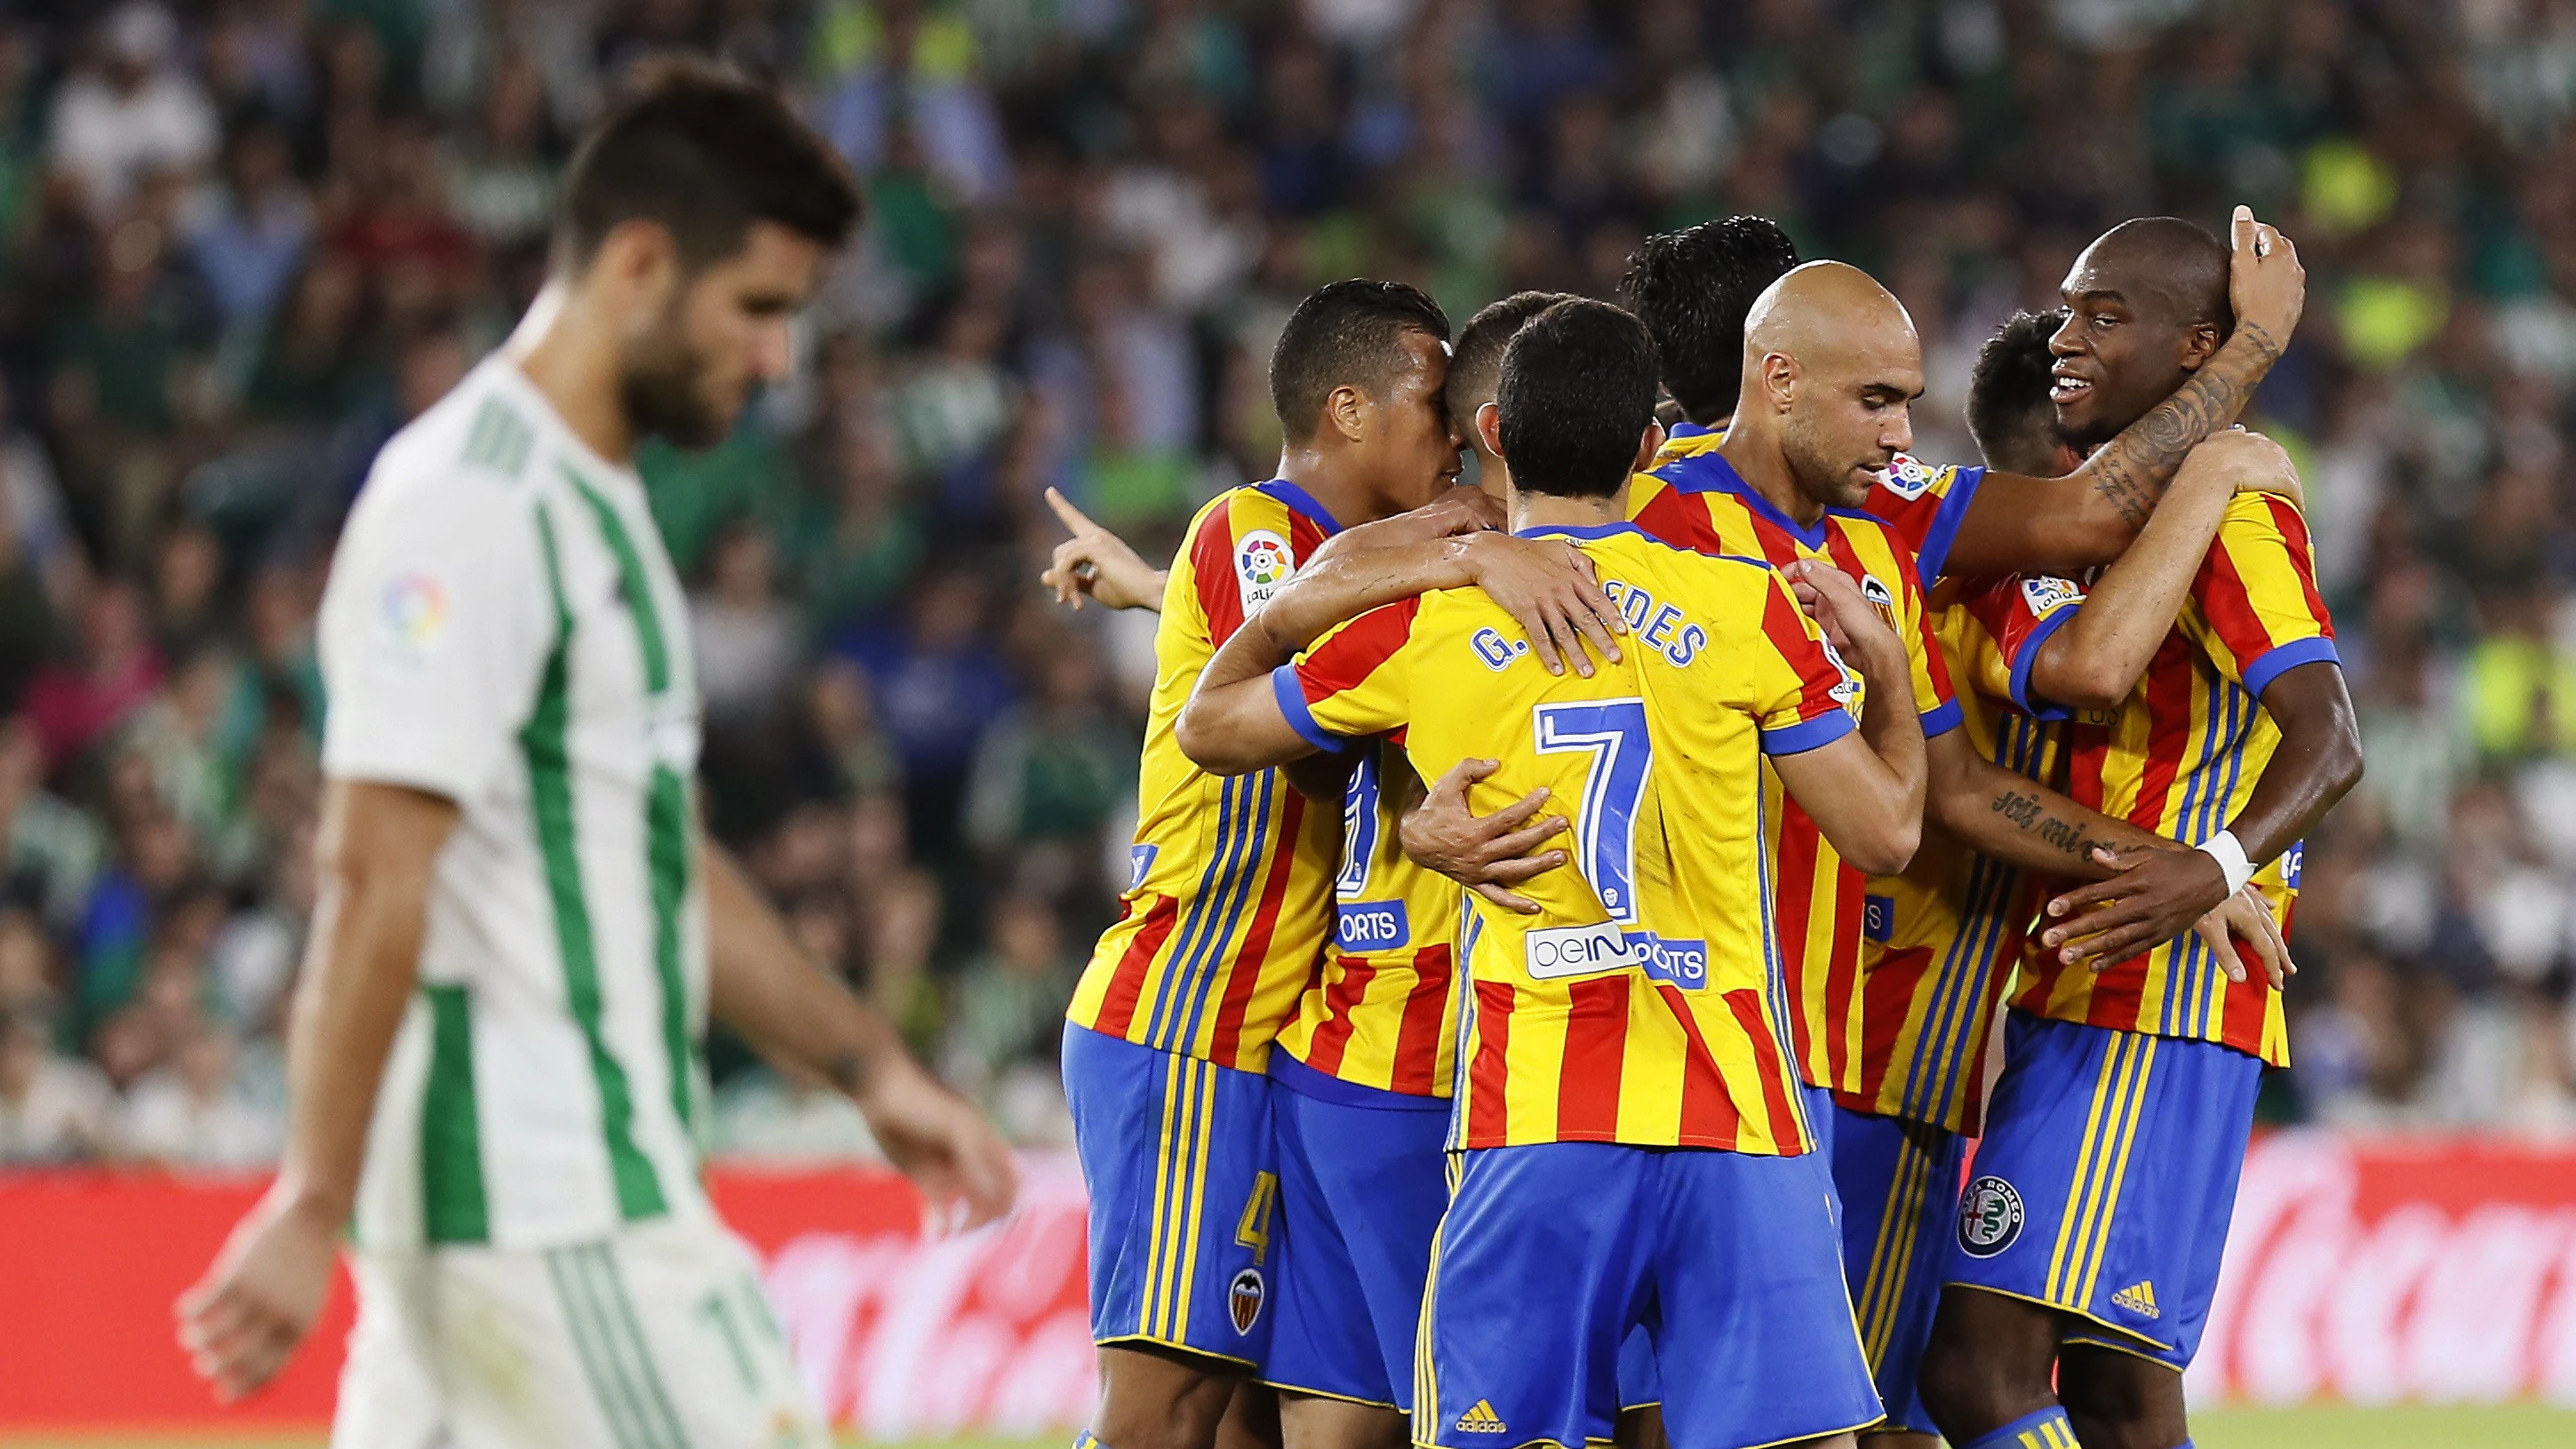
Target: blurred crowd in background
[(242, 241)]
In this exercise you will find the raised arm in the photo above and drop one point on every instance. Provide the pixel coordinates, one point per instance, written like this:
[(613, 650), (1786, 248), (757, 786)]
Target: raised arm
[(376, 850), (1233, 721), (2098, 655), (2085, 519), (763, 985)]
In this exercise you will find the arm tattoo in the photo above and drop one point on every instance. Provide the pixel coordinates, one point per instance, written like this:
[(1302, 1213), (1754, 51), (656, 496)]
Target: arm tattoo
[(2027, 814), (2133, 471)]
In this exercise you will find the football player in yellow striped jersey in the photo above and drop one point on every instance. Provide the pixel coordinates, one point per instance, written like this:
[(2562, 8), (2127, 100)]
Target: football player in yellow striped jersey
[(2087, 1246), (1367, 1061), (1682, 283), (1358, 1183)]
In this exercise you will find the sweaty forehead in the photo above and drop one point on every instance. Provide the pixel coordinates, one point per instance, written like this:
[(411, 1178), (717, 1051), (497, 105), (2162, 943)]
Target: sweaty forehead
[(2141, 281)]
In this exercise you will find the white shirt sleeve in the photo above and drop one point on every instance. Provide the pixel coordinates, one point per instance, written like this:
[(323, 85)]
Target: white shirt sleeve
[(435, 630)]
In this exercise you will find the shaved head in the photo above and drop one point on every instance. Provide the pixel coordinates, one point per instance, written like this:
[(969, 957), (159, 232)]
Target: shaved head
[(1831, 364), (2169, 270), (1822, 307)]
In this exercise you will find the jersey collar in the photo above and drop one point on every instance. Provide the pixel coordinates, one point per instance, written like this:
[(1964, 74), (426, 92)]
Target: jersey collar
[(1303, 502), (1711, 473), (1685, 428), (1578, 530)]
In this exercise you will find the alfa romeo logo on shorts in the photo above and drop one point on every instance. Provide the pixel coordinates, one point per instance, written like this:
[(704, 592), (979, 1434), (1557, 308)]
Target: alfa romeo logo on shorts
[(1243, 1298), (1989, 1217)]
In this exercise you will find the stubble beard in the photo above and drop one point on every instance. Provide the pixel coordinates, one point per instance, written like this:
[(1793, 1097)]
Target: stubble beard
[(658, 384)]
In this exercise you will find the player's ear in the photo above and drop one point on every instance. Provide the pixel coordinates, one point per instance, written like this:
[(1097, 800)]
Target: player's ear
[(1649, 443), (1779, 380), (1489, 428), (2200, 345), (640, 259), (1346, 412)]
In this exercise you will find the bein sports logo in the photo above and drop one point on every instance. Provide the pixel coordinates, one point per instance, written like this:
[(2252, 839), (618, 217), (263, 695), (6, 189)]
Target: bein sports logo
[(1990, 1217), (1370, 925), (1557, 952)]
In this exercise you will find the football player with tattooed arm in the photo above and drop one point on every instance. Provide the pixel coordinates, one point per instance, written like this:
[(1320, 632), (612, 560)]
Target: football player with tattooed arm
[(2088, 1244)]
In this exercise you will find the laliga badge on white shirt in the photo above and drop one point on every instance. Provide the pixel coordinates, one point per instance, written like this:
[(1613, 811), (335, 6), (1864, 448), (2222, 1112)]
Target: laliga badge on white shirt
[(413, 612), (1261, 564)]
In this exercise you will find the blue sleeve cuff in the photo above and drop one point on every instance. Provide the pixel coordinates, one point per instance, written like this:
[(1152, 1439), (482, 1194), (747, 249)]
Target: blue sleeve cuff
[(1292, 704), (1935, 555), (1812, 734), (2262, 669), (2029, 655), (1941, 719)]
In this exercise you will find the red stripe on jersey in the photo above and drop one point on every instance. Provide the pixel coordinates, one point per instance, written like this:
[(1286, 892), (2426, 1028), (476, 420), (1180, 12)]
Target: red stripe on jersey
[(2230, 607), (1747, 1006), (1244, 972), (1886, 994), (2119, 992), (1212, 570), (2247, 1003), (2169, 691), (1347, 659), (1778, 548), (1680, 519), (1127, 983), (1788, 633), (1792, 902), (1342, 997), (1709, 1118), (1596, 1044), (1842, 974), (1417, 1034), (1838, 547), (2294, 537), (1489, 1075)]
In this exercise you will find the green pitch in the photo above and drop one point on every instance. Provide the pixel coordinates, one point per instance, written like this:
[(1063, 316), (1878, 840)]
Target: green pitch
[(2518, 1427)]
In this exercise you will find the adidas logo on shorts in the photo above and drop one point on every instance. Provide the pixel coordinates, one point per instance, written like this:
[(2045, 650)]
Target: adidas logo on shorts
[(1480, 1420), (2138, 1298)]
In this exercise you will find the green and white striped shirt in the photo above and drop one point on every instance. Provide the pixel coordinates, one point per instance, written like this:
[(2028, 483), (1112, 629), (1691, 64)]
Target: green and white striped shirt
[(504, 628)]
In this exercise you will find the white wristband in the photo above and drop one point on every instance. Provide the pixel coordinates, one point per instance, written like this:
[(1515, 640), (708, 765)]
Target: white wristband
[(2230, 855)]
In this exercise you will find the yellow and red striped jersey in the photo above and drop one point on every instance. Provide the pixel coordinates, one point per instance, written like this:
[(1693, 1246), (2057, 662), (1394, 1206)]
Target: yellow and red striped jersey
[(1383, 1013), (2180, 757), (1226, 910), (1693, 499), (1640, 1004), (1925, 503), (1940, 942)]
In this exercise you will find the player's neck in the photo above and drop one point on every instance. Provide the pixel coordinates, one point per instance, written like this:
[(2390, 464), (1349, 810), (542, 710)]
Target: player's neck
[(1350, 503), (573, 362), (1549, 510), (1757, 458)]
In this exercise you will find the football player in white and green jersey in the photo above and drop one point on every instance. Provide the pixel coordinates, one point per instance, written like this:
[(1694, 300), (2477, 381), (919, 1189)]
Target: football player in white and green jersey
[(494, 1059)]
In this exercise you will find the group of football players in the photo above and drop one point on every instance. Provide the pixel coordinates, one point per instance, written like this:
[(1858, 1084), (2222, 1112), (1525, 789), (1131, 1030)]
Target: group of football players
[(1556, 995)]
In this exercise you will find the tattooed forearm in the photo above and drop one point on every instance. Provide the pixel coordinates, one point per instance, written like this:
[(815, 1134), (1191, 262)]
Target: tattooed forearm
[(2132, 471), (2028, 814)]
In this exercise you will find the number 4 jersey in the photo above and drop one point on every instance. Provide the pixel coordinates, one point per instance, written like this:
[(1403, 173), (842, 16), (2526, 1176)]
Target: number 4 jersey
[(1642, 1003)]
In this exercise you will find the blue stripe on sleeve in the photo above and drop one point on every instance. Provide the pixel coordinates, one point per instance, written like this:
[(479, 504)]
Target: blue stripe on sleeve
[(2259, 671), (2029, 655), (1935, 556), (1941, 718), (1292, 703), (1807, 735)]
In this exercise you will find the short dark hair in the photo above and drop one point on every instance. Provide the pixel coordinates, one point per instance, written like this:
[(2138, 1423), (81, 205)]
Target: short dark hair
[(1476, 360), (1577, 395), (2010, 411), (705, 153), (1692, 289), (1348, 332)]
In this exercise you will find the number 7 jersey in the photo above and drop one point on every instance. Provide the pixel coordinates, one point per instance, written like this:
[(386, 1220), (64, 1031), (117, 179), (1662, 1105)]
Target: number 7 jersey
[(1642, 1004)]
